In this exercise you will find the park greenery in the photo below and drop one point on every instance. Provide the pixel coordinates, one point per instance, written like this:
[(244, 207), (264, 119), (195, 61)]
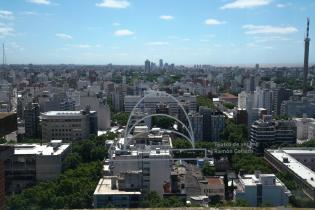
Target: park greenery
[(120, 118), (228, 105), (153, 200), (234, 132), (204, 101), (162, 122), (3, 140), (75, 186), (249, 163)]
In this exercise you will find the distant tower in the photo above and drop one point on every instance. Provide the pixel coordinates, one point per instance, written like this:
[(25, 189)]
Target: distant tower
[(147, 66), (161, 63), (306, 57), (3, 54)]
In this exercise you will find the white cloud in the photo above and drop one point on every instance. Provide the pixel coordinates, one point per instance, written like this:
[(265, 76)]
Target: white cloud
[(4, 14), (5, 30), (166, 17), (157, 43), (13, 46), (45, 2), (124, 32), (63, 36), (283, 5), (82, 46), (243, 4), (267, 29), (116, 24), (31, 13), (214, 22), (116, 4)]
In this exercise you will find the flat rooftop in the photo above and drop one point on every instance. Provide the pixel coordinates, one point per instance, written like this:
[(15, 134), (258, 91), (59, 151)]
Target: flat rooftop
[(215, 181), (104, 187), (37, 149), (62, 113), (297, 167), (5, 114)]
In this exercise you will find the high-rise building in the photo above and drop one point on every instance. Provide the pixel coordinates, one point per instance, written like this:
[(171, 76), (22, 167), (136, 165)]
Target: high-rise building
[(31, 118), (68, 125), (196, 120), (267, 132), (147, 66), (217, 125), (161, 63), (279, 95), (206, 114)]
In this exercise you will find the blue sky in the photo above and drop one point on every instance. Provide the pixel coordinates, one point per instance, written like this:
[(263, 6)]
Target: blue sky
[(178, 31)]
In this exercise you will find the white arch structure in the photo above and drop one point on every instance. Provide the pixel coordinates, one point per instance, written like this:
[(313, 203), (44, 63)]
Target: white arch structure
[(163, 115), (158, 93)]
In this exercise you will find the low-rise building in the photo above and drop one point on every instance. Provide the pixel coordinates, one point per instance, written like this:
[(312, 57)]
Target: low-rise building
[(259, 189), (34, 162), (8, 123), (299, 162), (113, 191), (213, 186)]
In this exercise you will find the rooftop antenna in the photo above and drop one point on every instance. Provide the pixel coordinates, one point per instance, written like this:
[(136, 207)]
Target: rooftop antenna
[(306, 57), (3, 54)]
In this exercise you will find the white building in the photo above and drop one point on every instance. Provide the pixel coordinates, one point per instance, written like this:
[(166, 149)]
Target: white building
[(258, 189), (110, 192), (148, 153), (68, 125), (299, 162), (303, 125)]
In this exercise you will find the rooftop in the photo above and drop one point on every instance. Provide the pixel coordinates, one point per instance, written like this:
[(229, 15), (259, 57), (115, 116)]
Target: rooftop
[(5, 114), (215, 181), (37, 149), (298, 168), (62, 113), (104, 187)]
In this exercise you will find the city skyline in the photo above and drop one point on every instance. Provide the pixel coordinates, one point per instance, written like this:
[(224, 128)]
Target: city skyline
[(218, 32)]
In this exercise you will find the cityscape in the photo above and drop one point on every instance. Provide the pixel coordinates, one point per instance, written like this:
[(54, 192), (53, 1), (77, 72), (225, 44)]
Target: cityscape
[(118, 104)]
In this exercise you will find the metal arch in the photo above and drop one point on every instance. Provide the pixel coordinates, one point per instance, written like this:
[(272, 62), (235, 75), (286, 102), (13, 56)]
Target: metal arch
[(152, 115), (167, 130), (163, 115), (172, 97)]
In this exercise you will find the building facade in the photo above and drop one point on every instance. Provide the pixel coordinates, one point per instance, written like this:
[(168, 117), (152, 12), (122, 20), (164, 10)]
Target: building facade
[(68, 125), (267, 132)]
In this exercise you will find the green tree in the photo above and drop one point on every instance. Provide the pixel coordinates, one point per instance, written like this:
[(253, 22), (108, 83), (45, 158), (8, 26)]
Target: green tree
[(179, 143), (229, 105), (72, 161), (208, 170), (249, 163), (204, 101), (163, 122), (234, 132), (121, 118), (3, 140)]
